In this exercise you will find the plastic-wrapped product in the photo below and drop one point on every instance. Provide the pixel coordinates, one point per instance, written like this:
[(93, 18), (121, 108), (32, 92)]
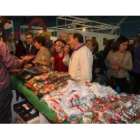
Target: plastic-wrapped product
[(102, 91), (61, 115), (87, 117), (75, 99), (85, 107), (73, 112), (74, 119)]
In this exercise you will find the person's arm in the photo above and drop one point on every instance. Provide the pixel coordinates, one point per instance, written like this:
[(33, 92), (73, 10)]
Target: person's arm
[(8, 60), (129, 65), (52, 63)]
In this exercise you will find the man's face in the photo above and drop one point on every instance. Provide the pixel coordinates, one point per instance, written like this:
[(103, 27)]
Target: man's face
[(65, 37), (29, 39), (72, 42)]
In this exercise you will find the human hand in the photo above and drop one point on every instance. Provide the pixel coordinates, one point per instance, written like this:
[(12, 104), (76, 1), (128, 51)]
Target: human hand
[(28, 66), (118, 62), (52, 60), (35, 62), (27, 58), (115, 67)]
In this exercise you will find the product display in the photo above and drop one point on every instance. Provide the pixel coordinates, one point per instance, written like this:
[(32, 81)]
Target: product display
[(74, 102), (47, 82)]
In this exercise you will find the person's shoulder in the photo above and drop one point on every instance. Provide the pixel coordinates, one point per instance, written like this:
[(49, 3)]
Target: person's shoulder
[(46, 50), (2, 44), (84, 48), (128, 53)]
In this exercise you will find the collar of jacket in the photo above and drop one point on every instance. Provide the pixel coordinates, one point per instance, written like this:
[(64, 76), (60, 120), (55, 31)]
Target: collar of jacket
[(80, 46)]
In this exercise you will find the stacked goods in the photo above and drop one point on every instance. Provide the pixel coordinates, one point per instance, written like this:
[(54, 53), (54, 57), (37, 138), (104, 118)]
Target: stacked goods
[(37, 70), (24, 76), (47, 82), (74, 102), (28, 73), (93, 103), (120, 109)]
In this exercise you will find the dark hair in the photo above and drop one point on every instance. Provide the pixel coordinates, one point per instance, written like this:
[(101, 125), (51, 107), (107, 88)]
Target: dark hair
[(41, 40), (61, 40), (29, 33), (79, 37), (136, 41), (119, 41), (94, 44)]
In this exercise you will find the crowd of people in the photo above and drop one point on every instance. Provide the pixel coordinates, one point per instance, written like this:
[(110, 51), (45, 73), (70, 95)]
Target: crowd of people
[(117, 65)]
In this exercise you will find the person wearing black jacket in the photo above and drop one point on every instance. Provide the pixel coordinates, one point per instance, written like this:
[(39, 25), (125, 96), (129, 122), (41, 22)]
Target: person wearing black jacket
[(30, 48)]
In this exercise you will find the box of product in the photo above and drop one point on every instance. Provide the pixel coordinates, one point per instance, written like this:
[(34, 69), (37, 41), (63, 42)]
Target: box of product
[(26, 111)]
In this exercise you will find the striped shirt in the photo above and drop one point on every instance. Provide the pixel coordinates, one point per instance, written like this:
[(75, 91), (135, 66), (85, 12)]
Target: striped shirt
[(7, 62)]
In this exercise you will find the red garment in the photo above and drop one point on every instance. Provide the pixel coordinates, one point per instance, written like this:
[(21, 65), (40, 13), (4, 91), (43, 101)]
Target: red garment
[(59, 65)]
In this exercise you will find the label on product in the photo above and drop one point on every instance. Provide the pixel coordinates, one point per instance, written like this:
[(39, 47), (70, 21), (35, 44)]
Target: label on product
[(25, 106)]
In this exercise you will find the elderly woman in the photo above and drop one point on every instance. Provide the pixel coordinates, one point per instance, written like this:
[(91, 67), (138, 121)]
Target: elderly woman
[(118, 63), (57, 59), (43, 56)]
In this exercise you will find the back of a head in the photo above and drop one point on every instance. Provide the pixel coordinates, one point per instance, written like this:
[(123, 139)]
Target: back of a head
[(119, 41), (41, 40), (79, 37)]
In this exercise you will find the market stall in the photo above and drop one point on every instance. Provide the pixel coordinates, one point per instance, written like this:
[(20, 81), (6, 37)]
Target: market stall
[(76, 102)]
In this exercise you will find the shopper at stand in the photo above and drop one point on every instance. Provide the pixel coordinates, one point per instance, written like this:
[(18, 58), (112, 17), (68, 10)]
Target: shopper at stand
[(108, 47), (7, 62), (30, 48), (119, 62), (49, 42), (11, 44), (96, 67), (80, 63), (57, 58), (65, 36), (136, 68), (43, 56)]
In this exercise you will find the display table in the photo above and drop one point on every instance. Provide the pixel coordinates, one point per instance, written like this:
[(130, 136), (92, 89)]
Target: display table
[(33, 99)]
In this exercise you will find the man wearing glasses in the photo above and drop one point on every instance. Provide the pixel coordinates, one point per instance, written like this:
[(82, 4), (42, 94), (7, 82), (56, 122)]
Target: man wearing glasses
[(30, 48)]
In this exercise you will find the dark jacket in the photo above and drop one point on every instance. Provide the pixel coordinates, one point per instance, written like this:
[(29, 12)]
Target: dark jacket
[(32, 51)]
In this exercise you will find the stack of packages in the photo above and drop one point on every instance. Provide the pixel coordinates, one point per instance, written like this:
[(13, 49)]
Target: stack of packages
[(93, 103), (74, 103), (47, 82), (121, 108), (28, 73)]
